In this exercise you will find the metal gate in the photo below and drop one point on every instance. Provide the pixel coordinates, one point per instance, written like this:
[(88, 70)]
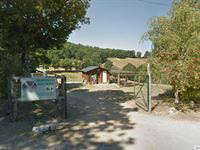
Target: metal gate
[(142, 90)]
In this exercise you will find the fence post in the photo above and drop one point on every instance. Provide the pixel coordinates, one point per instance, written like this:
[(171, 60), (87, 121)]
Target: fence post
[(9, 102), (118, 79), (134, 80), (64, 96), (13, 100), (149, 88)]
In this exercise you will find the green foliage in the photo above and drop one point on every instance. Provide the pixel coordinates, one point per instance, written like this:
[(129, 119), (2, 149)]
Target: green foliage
[(108, 65), (85, 55), (138, 54), (141, 73), (66, 63), (130, 68), (147, 54), (39, 57), (35, 24), (191, 94), (28, 27), (176, 42), (142, 69), (9, 64)]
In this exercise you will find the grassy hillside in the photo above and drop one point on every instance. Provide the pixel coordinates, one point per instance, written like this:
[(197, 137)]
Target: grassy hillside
[(80, 56), (120, 63)]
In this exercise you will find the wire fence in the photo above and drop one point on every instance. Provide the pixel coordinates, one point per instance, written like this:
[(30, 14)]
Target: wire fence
[(147, 86)]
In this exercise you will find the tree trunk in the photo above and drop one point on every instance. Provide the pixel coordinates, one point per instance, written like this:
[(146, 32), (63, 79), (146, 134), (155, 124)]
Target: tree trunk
[(118, 79), (126, 80), (25, 63)]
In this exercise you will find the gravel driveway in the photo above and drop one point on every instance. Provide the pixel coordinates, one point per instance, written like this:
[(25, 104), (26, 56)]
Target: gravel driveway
[(101, 118)]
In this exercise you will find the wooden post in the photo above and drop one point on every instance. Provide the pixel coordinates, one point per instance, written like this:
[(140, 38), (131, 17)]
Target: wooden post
[(177, 96), (118, 79), (64, 94), (134, 80), (9, 108), (139, 79), (15, 109), (126, 80), (149, 88), (13, 100)]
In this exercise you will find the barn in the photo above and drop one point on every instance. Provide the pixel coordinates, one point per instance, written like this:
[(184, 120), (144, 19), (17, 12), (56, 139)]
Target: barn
[(95, 75)]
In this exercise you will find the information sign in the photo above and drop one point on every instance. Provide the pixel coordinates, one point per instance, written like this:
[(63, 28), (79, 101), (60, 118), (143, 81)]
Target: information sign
[(40, 88)]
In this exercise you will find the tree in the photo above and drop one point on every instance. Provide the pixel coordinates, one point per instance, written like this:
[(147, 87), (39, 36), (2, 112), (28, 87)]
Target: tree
[(142, 69), (66, 63), (77, 64), (54, 57), (108, 65), (138, 54), (147, 54), (9, 64), (27, 25), (129, 67), (132, 54), (87, 55), (141, 73), (176, 50)]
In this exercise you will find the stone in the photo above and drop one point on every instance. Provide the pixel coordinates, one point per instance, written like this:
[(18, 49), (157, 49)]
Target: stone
[(172, 110), (44, 128), (192, 104)]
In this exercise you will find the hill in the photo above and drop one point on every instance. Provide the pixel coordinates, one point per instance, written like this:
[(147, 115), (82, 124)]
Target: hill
[(118, 63), (79, 56)]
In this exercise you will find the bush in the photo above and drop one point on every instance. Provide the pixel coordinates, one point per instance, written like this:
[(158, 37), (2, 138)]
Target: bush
[(176, 48), (11, 65), (141, 73), (8, 65), (108, 65), (130, 68)]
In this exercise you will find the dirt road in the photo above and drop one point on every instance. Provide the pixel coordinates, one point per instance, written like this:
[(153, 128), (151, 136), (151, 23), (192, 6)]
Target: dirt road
[(155, 133), (102, 118)]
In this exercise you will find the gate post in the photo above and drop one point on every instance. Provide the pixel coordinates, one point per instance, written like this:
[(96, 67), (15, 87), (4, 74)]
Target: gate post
[(118, 79), (149, 88), (13, 98), (64, 94)]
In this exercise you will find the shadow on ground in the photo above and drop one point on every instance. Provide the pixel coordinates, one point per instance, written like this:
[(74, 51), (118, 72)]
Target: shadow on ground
[(96, 120), (73, 85)]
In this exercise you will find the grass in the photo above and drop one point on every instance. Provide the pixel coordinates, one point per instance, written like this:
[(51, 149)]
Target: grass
[(120, 63), (73, 76)]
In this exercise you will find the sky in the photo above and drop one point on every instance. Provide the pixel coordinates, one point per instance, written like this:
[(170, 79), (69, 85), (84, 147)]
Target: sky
[(119, 24)]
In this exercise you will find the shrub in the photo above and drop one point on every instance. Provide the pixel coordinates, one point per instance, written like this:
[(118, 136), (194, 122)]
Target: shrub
[(130, 68), (176, 51)]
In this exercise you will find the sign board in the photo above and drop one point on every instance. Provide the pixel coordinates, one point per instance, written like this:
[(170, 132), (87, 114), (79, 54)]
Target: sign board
[(40, 88)]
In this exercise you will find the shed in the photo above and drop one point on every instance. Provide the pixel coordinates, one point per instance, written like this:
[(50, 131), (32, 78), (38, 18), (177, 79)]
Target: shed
[(95, 75)]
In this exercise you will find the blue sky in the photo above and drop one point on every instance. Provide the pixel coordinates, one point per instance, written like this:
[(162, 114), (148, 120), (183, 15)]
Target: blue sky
[(119, 23)]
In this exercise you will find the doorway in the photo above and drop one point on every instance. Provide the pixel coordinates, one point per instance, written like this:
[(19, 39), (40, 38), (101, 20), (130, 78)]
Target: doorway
[(104, 76)]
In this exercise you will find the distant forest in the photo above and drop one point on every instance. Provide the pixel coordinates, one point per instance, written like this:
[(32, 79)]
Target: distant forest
[(79, 56)]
